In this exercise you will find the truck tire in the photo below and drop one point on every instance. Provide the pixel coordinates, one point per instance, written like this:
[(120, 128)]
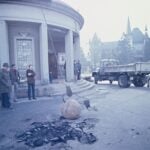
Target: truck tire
[(138, 81), (96, 79), (123, 81)]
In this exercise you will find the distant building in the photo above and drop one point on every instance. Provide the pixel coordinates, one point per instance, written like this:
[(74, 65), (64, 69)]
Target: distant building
[(44, 33), (137, 42)]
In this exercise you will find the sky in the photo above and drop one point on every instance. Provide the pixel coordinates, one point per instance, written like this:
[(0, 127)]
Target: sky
[(108, 18)]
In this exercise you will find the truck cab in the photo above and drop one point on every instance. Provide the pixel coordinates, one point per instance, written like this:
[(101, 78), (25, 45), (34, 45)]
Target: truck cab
[(108, 62), (99, 74)]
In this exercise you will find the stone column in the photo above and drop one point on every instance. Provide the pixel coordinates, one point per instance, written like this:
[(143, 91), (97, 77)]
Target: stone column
[(44, 53), (69, 56), (4, 48), (77, 48)]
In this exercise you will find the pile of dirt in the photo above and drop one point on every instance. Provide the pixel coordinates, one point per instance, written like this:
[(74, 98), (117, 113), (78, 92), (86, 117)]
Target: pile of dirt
[(58, 131)]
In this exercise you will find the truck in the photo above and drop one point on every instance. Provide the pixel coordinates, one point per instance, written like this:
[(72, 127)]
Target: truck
[(134, 73)]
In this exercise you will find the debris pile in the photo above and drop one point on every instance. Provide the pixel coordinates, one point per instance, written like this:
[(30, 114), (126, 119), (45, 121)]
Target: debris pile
[(59, 131)]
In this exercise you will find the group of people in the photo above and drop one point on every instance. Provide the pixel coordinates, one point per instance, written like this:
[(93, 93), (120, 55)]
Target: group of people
[(9, 80)]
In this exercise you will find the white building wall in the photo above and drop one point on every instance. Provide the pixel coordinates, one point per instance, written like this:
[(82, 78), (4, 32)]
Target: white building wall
[(39, 15), (44, 53), (24, 13), (4, 49), (69, 56), (77, 48)]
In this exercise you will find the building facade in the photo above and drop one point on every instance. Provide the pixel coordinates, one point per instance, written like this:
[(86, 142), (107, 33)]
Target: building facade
[(132, 47), (43, 33), (136, 40)]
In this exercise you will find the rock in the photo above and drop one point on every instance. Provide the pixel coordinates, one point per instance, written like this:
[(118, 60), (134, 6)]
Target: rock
[(68, 91), (87, 138), (87, 103), (71, 109), (38, 142)]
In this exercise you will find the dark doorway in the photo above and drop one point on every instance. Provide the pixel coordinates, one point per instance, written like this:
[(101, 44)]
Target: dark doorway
[(52, 65)]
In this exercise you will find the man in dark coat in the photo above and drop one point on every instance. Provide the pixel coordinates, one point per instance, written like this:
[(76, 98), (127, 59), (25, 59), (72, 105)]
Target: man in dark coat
[(65, 71), (30, 74), (15, 78), (78, 65), (75, 70), (5, 86)]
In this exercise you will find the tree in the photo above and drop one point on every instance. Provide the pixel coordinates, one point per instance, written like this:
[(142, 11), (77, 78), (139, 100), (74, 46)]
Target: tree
[(83, 60), (95, 52), (147, 50), (124, 51)]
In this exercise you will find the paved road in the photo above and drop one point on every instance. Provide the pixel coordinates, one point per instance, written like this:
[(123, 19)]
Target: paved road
[(20, 118), (123, 114)]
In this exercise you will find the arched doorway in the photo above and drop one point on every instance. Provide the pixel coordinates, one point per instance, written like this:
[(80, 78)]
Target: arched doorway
[(52, 60)]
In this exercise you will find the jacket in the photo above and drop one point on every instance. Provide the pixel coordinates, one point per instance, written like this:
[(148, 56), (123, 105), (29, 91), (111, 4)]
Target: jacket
[(5, 83), (30, 74), (14, 76)]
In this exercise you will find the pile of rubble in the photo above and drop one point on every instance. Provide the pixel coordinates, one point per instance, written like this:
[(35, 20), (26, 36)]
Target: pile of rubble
[(58, 131)]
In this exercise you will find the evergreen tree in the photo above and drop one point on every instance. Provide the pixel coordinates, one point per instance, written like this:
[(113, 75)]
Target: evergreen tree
[(83, 60), (95, 51), (147, 50), (124, 51)]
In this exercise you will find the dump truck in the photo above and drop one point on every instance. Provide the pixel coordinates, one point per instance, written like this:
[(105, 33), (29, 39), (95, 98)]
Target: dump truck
[(135, 73)]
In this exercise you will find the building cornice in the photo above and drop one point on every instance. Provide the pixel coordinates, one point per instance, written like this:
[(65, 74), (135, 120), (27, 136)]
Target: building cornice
[(53, 5)]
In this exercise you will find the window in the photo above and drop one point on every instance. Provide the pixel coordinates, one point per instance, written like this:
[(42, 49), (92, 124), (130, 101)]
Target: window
[(24, 55)]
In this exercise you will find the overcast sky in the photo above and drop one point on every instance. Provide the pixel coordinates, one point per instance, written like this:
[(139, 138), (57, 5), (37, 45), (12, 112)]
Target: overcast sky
[(108, 18)]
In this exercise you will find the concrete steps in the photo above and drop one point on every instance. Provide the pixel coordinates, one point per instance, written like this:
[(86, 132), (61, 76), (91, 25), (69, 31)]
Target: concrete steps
[(57, 89), (76, 87)]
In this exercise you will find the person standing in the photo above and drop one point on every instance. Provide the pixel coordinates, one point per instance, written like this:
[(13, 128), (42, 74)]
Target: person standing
[(65, 71), (75, 70), (78, 70), (15, 79), (30, 74), (5, 86)]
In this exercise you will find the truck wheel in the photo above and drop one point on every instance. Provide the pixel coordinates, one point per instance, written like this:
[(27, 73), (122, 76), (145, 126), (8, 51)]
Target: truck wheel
[(138, 81), (95, 79), (123, 81)]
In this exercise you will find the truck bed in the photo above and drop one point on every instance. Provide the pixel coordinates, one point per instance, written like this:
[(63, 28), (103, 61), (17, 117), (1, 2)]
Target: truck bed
[(141, 67)]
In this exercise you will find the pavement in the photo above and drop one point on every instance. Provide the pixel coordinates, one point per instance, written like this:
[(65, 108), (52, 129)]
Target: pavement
[(25, 112), (121, 117), (18, 119)]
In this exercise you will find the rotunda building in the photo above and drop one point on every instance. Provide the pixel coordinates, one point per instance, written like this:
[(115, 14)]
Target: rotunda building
[(43, 33)]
